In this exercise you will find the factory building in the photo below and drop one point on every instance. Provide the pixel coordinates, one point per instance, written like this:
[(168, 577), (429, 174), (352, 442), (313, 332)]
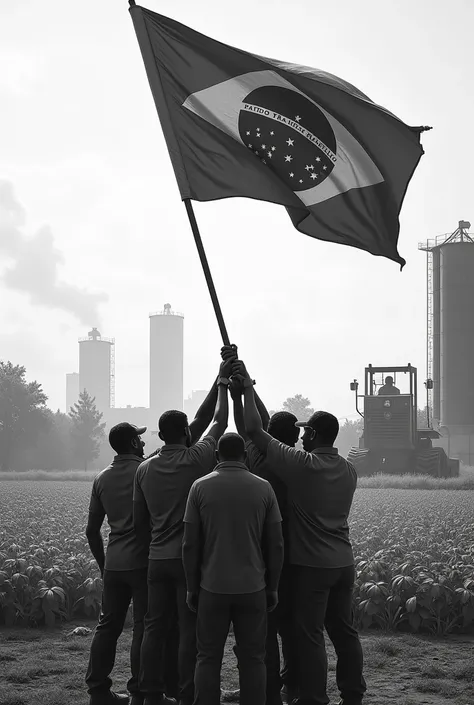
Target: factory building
[(193, 402), (72, 389), (96, 368), (450, 349), (166, 361)]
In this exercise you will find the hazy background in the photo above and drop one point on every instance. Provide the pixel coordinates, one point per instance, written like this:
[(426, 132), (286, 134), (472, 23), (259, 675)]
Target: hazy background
[(93, 232)]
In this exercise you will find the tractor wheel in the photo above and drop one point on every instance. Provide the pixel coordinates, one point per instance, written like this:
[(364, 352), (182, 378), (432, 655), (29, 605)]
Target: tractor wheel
[(432, 462), (365, 461)]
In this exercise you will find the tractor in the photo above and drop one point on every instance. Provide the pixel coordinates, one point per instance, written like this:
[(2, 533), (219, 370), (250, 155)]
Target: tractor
[(391, 442)]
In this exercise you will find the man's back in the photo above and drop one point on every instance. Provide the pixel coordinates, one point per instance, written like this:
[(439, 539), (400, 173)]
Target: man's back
[(233, 506), (112, 493), (321, 487), (388, 390), (164, 481)]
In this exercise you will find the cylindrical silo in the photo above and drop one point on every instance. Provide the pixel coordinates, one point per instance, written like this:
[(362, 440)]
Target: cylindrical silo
[(166, 361), (435, 332), (456, 275), (95, 368)]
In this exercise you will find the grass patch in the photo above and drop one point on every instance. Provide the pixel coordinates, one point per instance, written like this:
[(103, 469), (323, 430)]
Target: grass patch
[(401, 669), (52, 475), (12, 699), (465, 481)]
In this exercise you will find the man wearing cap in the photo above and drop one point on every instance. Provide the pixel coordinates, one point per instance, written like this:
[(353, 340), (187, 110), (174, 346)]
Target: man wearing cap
[(123, 566), (162, 486), (321, 486)]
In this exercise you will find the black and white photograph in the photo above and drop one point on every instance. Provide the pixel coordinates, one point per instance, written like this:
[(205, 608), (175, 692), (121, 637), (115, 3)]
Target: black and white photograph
[(236, 352)]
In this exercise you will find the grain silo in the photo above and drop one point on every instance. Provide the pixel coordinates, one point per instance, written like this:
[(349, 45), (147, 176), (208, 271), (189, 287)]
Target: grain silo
[(96, 368), (451, 338), (166, 361)]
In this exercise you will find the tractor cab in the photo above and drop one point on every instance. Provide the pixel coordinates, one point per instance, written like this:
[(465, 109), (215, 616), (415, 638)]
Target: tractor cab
[(391, 441), (390, 420)]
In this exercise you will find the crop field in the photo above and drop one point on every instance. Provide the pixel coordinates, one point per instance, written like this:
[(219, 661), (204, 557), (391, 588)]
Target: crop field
[(414, 554)]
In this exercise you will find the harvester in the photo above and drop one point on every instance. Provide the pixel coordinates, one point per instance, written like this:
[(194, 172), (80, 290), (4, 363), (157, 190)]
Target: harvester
[(391, 442)]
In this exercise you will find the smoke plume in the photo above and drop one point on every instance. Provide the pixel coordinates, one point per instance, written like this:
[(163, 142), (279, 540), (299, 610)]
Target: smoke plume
[(35, 263)]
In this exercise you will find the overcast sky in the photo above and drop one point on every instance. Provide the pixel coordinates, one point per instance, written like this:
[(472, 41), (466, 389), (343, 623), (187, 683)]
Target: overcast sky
[(95, 232)]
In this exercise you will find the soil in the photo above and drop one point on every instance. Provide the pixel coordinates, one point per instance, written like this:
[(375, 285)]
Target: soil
[(40, 667)]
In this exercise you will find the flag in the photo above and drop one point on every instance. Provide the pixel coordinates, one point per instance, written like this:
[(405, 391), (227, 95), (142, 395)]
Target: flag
[(240, 125)]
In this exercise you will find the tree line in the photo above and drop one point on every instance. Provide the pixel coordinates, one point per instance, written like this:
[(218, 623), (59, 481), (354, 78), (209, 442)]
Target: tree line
[(34, 437)]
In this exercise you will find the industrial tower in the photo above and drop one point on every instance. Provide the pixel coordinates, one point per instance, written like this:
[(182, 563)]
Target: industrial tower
[(450, 337), (97, 368), (166, 361)]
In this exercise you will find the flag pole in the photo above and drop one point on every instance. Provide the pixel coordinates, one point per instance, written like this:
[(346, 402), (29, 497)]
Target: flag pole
[(157, 91), (207, 271)]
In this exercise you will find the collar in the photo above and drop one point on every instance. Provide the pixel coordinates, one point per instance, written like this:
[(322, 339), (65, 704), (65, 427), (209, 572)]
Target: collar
[(128, 456), (324, 450), (172, 446), (230, 465)]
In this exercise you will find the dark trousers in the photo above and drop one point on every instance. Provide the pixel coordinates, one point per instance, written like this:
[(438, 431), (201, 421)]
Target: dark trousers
[(322, 597), (120, 588), (279, 623), (166, 596), (248, 614)]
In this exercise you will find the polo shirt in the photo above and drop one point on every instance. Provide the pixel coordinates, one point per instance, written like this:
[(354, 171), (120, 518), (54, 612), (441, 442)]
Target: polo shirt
[(162, 484), (257, 464), (232, 507), (321, 487), (112, 495)]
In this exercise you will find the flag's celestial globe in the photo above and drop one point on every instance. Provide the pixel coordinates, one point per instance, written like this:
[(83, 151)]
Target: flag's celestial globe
[(289, 134)]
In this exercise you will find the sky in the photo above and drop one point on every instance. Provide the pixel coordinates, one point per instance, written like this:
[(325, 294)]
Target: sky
[(93, 231)]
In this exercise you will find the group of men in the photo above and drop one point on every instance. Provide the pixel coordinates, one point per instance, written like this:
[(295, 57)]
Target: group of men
[(234, 528)]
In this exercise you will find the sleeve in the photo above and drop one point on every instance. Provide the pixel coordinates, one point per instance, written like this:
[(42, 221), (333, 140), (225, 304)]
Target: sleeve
[(203, 453), (192, 514), (138, 495), (286, 461), (255, 458), (273, 514), (95, 504)]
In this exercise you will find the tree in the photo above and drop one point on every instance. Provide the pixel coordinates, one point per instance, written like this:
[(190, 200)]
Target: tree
[(299, 406), (349, 435), (87, 429), (23, 412), (422, 418)]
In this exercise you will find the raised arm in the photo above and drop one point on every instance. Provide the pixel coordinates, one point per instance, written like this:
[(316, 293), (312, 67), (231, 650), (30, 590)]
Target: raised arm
[(204, 414), (236, 391), (252, 418), (262, 410), (221, 414)]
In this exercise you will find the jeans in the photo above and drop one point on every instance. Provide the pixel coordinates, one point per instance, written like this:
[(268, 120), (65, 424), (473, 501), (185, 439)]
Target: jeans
[(322, 597), (166, 596), (120, 588), (248, 614)]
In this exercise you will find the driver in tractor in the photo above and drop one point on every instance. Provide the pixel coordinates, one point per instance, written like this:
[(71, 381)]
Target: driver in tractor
[(388, 388)]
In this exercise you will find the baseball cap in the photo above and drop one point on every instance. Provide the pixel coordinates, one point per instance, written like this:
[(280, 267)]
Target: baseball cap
[(122, 433), (321, 421)]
